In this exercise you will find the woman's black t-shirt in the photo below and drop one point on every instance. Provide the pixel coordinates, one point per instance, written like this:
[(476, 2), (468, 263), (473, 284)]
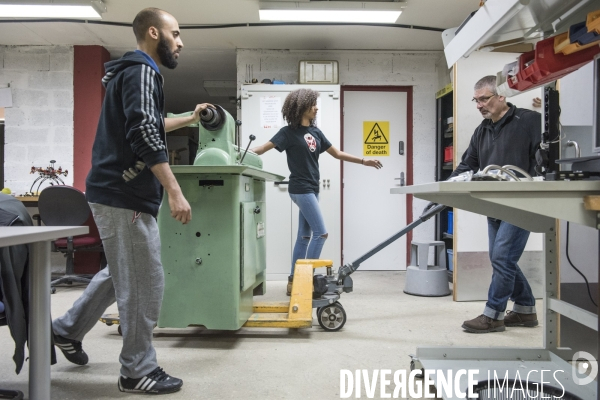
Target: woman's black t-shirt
[(302, 147)]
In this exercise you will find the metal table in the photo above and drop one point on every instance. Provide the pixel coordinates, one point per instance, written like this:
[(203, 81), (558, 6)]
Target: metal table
[(40, 238), (534, 206)]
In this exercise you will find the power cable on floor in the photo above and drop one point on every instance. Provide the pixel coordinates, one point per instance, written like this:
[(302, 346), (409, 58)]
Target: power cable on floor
[(578, 271)]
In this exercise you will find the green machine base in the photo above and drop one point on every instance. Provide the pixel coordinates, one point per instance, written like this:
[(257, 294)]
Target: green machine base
[(214, 264)]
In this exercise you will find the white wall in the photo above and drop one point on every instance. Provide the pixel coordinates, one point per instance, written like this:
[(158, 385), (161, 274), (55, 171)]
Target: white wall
[(417, 69), (39, 126)]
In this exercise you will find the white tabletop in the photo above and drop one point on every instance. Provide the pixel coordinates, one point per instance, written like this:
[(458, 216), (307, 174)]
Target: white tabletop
[(483, 186), (525, 204), (12, 235)]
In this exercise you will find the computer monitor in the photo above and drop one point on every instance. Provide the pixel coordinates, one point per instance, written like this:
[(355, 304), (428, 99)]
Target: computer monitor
[(596, 109)]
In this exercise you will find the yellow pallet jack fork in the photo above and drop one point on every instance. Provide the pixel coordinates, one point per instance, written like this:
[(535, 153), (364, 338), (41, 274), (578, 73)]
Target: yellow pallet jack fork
[(297, 313)]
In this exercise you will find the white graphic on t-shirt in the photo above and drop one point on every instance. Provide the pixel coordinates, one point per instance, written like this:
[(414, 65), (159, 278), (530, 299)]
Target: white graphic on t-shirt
[(311, 142)]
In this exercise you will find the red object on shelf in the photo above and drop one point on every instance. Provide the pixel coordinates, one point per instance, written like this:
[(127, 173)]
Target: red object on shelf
[(448, 153), (542, 65)]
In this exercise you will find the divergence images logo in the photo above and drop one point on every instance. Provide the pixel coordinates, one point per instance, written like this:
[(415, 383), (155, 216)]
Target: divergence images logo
[(586, 360)]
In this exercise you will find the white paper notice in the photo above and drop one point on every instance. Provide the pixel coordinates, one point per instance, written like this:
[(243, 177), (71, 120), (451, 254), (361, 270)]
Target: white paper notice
[(270, 112)]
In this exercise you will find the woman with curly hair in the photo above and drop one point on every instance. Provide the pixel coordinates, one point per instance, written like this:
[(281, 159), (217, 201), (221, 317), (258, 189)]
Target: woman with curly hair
[(303, 142)]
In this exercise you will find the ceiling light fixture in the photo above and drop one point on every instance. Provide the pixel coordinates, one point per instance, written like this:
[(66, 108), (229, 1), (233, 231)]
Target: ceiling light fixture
[(331, 11), (60, 9)]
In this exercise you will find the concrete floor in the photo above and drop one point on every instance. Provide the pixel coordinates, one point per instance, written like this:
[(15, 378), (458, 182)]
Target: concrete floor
[(384, 326)]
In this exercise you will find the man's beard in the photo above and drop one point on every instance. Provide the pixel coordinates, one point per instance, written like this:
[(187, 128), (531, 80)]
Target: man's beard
[(166, 56)]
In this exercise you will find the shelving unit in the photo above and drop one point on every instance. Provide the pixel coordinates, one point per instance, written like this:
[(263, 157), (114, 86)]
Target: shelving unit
[(444, 138)]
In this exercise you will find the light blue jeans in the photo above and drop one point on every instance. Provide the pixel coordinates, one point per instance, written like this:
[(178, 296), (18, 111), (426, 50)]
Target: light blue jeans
[(507, 243), (311, 228)]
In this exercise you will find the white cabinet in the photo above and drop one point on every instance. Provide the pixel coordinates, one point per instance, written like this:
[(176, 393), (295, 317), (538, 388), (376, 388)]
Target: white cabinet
[(260, 105)]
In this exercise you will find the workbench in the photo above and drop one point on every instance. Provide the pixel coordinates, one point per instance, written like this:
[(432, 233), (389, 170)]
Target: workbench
[(534, 206)]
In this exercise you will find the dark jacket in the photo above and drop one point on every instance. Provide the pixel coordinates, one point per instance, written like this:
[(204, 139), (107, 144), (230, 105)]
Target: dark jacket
[(131, 128), (14, 277), (513, 140)]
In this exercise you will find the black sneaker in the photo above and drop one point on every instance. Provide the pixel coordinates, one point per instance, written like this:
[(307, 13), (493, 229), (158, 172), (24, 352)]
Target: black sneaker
[(71, 349), (156, 382)]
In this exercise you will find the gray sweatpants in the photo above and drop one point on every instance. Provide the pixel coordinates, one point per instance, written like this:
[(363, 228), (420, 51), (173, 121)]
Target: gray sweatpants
[(134, 278)]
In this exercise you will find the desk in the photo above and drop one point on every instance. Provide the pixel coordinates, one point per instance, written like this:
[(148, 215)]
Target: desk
[(39, 296), (534, 206), (29, 201)]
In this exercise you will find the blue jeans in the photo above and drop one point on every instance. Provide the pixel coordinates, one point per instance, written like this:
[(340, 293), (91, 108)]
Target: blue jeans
[(311, 228), (507, 243)]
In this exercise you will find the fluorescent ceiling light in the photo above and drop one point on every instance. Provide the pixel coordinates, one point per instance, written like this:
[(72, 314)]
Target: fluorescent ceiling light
[(331, 11), (377, 17), (91, 10)]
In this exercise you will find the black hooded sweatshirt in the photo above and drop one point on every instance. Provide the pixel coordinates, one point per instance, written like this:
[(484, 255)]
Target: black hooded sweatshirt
[(513, 140), (131, 128)]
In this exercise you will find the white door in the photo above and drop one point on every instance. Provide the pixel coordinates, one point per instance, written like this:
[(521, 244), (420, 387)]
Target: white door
[(260, 103), (371, 214)]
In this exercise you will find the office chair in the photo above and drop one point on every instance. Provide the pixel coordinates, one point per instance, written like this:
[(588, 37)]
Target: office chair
[(66, 206)]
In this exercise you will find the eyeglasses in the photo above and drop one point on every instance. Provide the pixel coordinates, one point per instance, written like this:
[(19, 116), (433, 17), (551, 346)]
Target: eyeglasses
[(482, 100)]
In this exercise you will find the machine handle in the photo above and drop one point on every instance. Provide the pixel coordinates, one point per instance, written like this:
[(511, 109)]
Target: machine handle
[(281, 183), (252, 138)]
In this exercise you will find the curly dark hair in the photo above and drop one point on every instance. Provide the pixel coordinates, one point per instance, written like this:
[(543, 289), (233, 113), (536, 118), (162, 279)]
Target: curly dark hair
[(296, 104)]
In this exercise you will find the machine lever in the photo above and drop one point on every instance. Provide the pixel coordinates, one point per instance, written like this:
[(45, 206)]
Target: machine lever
[(257, 210), (281, 183), (252, 138)]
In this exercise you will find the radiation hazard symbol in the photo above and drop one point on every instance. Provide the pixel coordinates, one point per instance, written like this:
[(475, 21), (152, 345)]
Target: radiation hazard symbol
[(376, 138)]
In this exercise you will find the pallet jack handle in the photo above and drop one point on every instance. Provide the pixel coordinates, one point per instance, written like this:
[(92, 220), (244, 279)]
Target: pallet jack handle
[(431, 210)]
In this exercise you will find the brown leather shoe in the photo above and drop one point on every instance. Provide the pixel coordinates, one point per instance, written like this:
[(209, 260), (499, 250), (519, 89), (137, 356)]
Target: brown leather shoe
[(517, 319), (483, 324)]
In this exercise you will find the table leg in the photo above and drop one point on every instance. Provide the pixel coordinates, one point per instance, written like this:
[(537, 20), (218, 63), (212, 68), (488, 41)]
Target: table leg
[(39, 321)]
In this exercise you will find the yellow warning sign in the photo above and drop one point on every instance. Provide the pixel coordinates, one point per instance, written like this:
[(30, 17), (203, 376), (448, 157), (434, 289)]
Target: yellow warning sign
[(376, 135)]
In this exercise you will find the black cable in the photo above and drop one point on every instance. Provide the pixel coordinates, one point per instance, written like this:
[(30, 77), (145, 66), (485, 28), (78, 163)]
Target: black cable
[(578, 271), (235, 25)]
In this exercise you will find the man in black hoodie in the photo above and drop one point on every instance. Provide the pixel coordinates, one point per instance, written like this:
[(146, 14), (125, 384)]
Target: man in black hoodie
[(125, 189), (507, 136)]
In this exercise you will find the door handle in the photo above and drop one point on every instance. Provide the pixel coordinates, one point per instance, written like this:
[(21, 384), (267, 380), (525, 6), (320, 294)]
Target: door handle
[(281, 183), (401, 179)]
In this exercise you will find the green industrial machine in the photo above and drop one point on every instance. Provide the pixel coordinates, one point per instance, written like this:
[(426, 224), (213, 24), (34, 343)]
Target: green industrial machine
[(216, 263)]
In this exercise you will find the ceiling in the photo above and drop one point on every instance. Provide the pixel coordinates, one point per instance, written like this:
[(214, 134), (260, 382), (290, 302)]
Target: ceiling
[(209, 47)]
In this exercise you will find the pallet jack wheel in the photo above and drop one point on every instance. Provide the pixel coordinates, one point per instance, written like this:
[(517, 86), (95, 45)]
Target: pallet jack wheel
[(412, 367), (337, 302), (332, 317)]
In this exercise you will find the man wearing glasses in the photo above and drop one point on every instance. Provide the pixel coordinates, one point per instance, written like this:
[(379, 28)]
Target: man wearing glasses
[(507, 136)]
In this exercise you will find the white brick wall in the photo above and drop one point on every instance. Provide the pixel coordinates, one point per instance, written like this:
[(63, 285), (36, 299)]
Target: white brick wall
[(39, 126), (417, 69)]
